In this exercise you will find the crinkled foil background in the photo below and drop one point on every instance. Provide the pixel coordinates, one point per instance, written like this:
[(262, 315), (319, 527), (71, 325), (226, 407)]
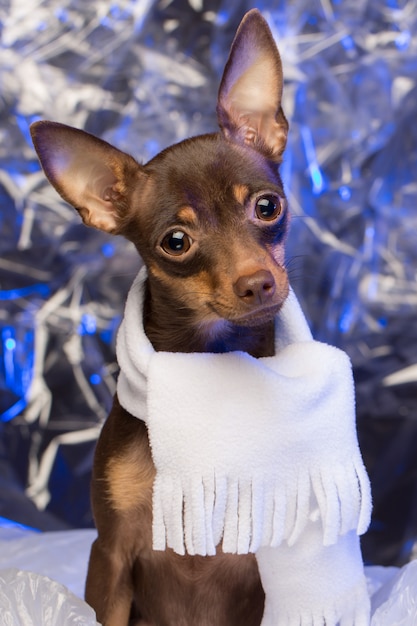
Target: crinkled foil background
[(143, 74)]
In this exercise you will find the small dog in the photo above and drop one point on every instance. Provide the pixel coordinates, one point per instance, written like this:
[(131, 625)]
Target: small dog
[(209, 218)]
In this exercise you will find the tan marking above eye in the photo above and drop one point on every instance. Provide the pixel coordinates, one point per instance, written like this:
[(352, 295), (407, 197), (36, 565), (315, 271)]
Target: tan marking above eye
[(187, 215), (241, 193)]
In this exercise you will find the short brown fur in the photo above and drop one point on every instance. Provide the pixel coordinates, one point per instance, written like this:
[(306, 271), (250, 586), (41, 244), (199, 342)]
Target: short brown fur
[(208, 217)]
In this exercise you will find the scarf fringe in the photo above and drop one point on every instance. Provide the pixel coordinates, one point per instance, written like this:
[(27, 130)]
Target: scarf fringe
[(195, 516)]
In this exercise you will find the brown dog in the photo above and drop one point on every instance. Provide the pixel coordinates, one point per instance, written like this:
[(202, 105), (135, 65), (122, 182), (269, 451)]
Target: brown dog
[(208, 217)]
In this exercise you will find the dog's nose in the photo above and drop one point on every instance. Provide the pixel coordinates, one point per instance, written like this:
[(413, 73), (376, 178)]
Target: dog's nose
[(256, 288)]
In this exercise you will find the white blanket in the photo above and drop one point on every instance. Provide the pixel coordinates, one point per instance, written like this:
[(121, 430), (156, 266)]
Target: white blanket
[(392, 590)]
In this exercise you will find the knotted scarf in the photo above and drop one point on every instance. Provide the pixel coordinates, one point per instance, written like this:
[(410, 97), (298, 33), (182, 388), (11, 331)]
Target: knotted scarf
[(256, 455)]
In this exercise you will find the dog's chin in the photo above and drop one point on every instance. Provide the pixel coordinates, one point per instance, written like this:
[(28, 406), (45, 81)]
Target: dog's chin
[(257, 318)]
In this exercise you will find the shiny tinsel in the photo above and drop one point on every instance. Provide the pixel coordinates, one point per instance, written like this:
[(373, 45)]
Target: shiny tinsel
[(143, 74)]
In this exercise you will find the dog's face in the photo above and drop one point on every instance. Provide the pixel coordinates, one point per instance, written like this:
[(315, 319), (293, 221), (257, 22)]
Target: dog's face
[(208, 215)]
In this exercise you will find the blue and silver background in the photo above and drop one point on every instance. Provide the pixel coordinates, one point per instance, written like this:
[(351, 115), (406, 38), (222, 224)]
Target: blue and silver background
[(144, 74)]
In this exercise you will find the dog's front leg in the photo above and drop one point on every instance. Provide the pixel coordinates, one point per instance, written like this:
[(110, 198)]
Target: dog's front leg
[(109, 587)]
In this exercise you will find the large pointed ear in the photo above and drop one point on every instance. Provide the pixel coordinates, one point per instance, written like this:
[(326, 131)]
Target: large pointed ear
[(87, 172), (249, 105)]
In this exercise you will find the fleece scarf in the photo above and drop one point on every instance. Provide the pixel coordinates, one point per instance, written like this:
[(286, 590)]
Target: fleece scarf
[(257, 455)]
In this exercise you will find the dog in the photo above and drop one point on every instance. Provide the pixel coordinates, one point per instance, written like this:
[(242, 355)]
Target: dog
[(209, 218)]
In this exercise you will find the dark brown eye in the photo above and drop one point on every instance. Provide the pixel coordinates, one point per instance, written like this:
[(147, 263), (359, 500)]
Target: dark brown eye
[(176, 243), (268, 208)]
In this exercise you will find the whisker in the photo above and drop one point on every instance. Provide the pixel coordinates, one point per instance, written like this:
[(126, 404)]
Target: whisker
[(290, 261)]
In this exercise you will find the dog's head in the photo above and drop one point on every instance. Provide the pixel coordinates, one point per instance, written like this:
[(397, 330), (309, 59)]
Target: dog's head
[(208, 215)]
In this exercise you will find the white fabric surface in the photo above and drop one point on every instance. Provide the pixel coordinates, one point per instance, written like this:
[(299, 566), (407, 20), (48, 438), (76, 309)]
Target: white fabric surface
[(63, 556)]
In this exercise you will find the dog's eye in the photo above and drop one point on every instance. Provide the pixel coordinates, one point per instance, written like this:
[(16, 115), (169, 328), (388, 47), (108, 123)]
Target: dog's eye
[(176, 243), (268, 208)]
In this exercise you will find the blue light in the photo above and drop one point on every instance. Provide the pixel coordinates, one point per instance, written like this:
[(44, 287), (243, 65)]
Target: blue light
[(223, 17), (106, 335), (348, 43), (8, 523), (313, 166), (346, 319), (88, 324), (95, 379), (403, 40), (24, 292), (115, 11), (16, 365), (62, 15), (108, 250), (316, 178), (345, 192), (10, 344), (17, 408)]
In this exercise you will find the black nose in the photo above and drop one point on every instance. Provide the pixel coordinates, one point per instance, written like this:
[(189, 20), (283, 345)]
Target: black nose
[(256, 289)]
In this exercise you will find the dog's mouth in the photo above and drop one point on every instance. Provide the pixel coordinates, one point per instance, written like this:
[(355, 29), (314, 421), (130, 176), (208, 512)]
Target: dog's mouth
[(259, 317), (255, 317)]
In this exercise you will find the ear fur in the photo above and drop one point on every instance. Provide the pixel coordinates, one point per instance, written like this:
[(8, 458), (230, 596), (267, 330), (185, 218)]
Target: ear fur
[(87, 172), (249, 104)]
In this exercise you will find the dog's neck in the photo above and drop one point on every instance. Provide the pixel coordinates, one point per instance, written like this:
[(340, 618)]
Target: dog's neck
[(172, 328)]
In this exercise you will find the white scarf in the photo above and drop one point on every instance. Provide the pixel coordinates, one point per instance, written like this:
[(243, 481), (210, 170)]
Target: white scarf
[(255, 455)]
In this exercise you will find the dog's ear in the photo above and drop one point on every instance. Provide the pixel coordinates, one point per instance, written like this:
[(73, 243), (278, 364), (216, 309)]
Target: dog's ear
[(87, 172), (249, 105)]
